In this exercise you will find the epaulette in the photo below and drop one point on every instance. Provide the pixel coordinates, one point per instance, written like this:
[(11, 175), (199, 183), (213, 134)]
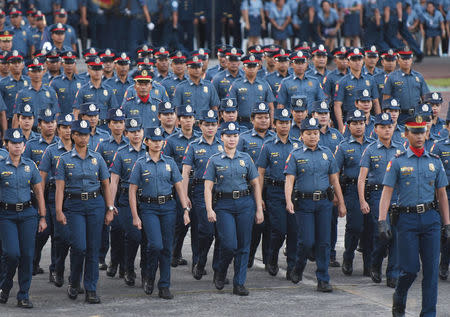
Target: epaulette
[(400, 154), (434, 155), (131, 98)]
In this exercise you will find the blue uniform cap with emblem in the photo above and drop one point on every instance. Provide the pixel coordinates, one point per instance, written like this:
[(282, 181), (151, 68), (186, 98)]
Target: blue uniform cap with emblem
[(58, 28), (251, 59), (433, 98), (282, 115), (234, 54), (383, 119), (416, 124), (371, 51), (222, 49), (13, 56), (178, 57), (424, 110), (354, 53), (339, 51), (229, 128), (390, 103), (133, 124), (81, 126), (35, 65), (320, 106), (26, 110), (228, 105), (68, 119), (405, 52), (299, 103), (271, 50), (68, 57), (282, 55), (115, 115), (107, 55), (389, 55), (166, 107), (309, 124), (53, 56), (14, 135), (298, 55), (89, 109), (155, 134), (202, 53), (209, 116), (94, 63), (194, 61), (260, 107), (319, 50), (46, 115), (161, 53), (185, 111), (122, 59), (143, 75), (355, 115), (363, 95), (91, 51)]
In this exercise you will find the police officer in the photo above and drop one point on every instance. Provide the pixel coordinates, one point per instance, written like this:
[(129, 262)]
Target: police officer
[(157, 208), (280, 72), (364, 103), (228, 112), (168, 118), (178, 63), (121, 166), (82, 189), (392, 107), (225, 78), (311, 169), (388, 62), (434, 99), (186, 11), (348, 155), (251, 142), (197, 92), (47, 169), (222, 52), (347, 86), (22, 40), (371, 57), (67, 84), (107, 57), (319, 63), (270, 164), (90, 112), (234, 211), (418, 176), (26, 122), (175, 147), (250, 90), (53, 66), (424, 110), (107, 149), (197, 154), (18, 217), (36, 94), (161, 55), (299, 83), (299, 113), (405, 85), (57, 38), (373, 166), (121, 81)]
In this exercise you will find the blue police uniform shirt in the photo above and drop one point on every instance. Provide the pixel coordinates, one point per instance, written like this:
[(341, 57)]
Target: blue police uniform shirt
[(380, 79), (442, 149), (36, 37), (247, 94), (146, 111), (107, 148), (416, 178), (251, 142), (176, 145), (376, 158), (330, 139), (99, 136), (398, 136), (166, 134), (274, 80), (406, 88), (81, 175), (103, 97), (44, 98), (223, 80), (347, 87), (158, 77), (293, 85), (253, 7), (22, 40), (168, 7), (16, 181), (3, 154), (50, 159), (369, 130), (202, 97), (66, 90), (170, 83), (376, 71), (198, 152), (329, 83), (273, 156), (311, 168), (212, 71), (295, 132), (33, 135), (46, 6), (186, 10), (438, 129), (118, 87), (348, 156), (9, 87), (135, 6), (35, 148), (69, 5), (230, 173), (69, 40), (313, 72), (155, 178), (124, 160)]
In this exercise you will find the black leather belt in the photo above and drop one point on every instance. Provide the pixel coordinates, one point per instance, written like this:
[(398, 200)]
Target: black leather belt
[(156, 200), (16, 207), (51, 186), (235, 194), (124, 190), (374, 187), (198, 181), (273, 182), (350, 181), (407, 111), (316, 196), (83, 196), (243, 119), (417, 209)]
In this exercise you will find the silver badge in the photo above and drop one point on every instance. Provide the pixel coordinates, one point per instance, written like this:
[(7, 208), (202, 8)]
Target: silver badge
[(230, 103), (123, 55), (299, 102), (356, 51), (299, 54), (83, 124), (92, 51), (47, 112), (15, 53), (282, 52), (385, 116), (365, 93), (343, 49), (119, 113), (201, 51), (435, 96), (357, 113), (92, 107), (262, 106), (35, 61), (69, 54), (179, 54), (394, 102), (59, 26), (285, 113), (252, 58), (108, 52), (145, 48), (312, 121), (68, 118), (133, 123), (425, 108), (16, 134), (167, 105), (373, 48), (27, 108), (390, 52), (157, 131), (232, 127), (258, 48), (162, 50), (233, 51), (97, 60), (321, 47), (195, 59), (188, 108), (323, 105), (210, 114)]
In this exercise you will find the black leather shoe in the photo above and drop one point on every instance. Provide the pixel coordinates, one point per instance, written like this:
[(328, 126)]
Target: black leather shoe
[(165, 293), (59, 279), (37, 270), (130, 278), (102, 266), (366, 272), (148, 286), (251, 260), (240, 290), (375, 274), (111, 271), (219, 280), (92, 298), (178, 261), (334, 263), (296, 275), (443, 272), (391, 282), (72, 292), (121, 272), (273, 269), (80, 290), (347, 267), (398, 309), (51, 277), (288, 275), (324, 287), (197, 272), (24, 303), (3, 297)]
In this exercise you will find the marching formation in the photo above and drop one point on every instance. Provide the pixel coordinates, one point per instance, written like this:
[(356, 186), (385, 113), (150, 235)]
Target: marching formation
[(263, 149)]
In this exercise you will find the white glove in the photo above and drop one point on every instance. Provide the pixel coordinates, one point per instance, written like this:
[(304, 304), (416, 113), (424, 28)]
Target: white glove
[(100, 11), (127, 12), (47, 46), (150, 26)]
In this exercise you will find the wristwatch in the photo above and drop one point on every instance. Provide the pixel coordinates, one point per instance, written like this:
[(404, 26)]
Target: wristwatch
[(187, 209), (110, 208)]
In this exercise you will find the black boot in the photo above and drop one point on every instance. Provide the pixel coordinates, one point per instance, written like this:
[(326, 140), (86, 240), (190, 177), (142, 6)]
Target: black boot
[(24, 303), (296, 275), (130, 278), (375, 274), (92, 298), (3, 297), (149, 284), (240, 290), (72, 291), (197, 272), (398, 309), (347, 267), (111, 271), (391, 282), (219, 280), (165, 293), (324, 287), (59, 279)]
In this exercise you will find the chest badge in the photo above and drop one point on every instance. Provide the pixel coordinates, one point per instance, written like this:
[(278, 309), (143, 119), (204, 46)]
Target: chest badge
[(78, 85), (260, 87), (94, 161), (242, 163), (153, 108), (26, 168), (205, 89), (310, 84), (220, 148), (47, 94), (168, 168), (431, 167), (367, 83), (325, 156), (417, 79)]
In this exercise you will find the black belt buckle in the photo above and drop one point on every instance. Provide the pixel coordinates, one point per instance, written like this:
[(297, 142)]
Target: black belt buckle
[(19, 207), (84, 196), (420, 208), (411, 111), (236, 194), (161, 200), (316, 195)]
